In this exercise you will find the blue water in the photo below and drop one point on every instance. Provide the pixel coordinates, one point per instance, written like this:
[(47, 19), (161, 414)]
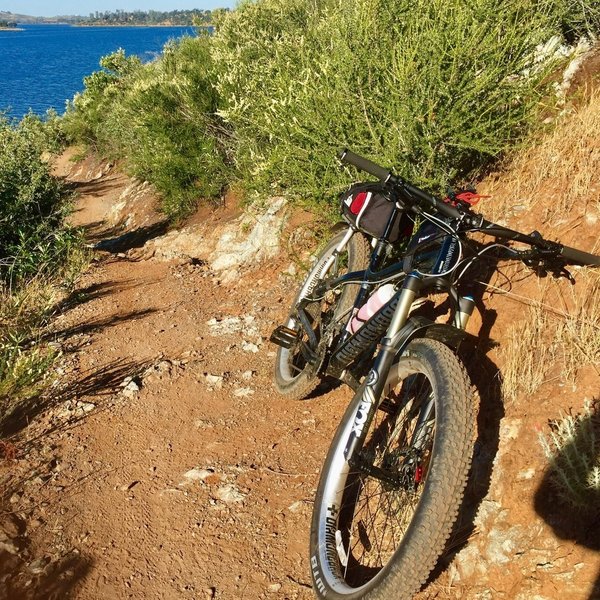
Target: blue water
[(44, 65)]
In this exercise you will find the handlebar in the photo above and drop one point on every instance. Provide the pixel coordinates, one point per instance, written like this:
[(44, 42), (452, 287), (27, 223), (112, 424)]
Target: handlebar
[(578, 256), (364, 164), (386, 176), (478, 223)]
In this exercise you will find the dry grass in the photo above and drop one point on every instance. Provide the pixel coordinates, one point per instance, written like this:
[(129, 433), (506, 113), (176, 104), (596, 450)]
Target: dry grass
[(560, 335), (555, 186), (24, 311), (561, 170)]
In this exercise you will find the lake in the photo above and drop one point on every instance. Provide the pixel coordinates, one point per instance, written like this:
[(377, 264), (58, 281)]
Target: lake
[(44, 65)]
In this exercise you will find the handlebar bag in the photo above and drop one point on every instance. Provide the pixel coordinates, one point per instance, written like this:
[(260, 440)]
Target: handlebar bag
[(369, 206)]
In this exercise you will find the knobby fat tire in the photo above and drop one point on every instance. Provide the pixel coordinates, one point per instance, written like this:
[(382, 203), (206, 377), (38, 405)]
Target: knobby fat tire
[(298, 386), (426, 535)]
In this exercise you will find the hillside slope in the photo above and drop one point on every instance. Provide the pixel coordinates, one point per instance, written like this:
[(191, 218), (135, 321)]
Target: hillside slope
[(163, 465)]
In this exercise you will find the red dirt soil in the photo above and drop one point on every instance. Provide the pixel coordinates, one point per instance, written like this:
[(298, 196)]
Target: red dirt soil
[(146, 475)]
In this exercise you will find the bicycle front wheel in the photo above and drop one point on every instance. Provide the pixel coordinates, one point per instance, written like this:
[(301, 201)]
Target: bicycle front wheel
[(379, 528)]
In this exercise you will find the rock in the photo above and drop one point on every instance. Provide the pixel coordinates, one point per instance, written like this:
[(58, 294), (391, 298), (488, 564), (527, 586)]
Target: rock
[(248, 375), (488, 510), (526, 474), (197, 474), (274, 588), (86, 406), (510, 428), (503, 544), (249, 347), (229, 494), (190, 242), (251, 239), (66, 412), (291, 270), (215, 381), (38, 566), (9, 547), (11, 525), (296, 506), (131, 389), (233, 325), (243, 392)]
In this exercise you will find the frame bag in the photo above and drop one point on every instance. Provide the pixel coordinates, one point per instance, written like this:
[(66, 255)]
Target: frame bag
[(368, 207)]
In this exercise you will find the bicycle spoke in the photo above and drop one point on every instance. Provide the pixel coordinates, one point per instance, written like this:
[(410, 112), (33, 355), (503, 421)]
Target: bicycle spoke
[(378, 513)]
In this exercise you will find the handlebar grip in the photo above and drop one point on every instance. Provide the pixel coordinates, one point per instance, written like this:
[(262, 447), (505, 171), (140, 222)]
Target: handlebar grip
[(446, 209), (364, 164), (584, 258)]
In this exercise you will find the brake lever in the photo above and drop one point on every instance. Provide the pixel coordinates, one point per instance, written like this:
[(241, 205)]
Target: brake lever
[(546, 261), (562, 271)]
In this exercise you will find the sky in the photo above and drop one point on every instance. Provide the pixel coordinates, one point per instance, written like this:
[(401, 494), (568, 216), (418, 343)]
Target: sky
[(52, 8)]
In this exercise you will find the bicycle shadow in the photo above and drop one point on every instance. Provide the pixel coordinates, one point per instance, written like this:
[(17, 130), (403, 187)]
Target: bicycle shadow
[(23, 577), (578, 523)]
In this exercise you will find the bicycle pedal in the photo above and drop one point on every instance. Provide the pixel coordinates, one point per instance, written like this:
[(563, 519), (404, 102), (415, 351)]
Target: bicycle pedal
[(284, 336)]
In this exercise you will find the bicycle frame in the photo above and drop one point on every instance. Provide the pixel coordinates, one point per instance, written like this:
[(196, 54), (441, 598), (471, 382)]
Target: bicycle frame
[(400, 329), (391, 318)]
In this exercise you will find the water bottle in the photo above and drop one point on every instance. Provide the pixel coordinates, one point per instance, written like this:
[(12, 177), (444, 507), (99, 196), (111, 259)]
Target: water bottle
[(376, 300)]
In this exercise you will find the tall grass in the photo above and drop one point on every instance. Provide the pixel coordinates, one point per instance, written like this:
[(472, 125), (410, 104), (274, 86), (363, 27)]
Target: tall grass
[(549, 338), (560, 170)]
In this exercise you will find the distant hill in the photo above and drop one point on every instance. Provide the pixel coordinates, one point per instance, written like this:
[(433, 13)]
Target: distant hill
[(14, 18), (120, 17)]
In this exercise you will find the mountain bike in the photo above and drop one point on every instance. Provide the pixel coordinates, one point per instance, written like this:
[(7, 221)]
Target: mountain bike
[(395, 474)]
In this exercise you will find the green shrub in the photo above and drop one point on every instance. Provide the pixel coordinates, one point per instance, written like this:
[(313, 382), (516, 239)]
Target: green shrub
[(87, 113), (433, 88), (160, 117), (32, 203), (38, 252)]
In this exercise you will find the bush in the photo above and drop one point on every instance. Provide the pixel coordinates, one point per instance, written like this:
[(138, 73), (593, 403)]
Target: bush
[(160, 117), (434, 88), (37, 252), (32, 203), (87, 113), (573, 449)]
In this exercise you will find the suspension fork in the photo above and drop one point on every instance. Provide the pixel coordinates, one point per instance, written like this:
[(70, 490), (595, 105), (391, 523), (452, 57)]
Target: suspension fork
[(370, 391)]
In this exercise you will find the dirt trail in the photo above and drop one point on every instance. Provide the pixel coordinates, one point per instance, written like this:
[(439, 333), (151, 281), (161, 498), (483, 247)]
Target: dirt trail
[(172, 469), (164, 464)]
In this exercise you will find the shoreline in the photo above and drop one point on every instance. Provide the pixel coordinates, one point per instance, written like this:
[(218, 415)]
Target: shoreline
[(162, 25), (133, 25)]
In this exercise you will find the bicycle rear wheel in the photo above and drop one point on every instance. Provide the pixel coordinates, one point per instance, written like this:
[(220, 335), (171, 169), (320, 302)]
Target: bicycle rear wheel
[(378, 529), (294, 377)]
